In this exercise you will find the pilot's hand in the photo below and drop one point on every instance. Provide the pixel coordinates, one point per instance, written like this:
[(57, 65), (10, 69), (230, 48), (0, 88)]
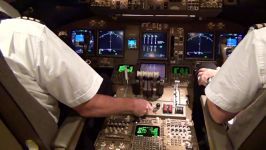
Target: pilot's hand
[(204, 74), (141, 107)]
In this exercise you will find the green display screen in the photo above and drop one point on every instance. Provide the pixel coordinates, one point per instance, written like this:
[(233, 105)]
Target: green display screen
[(122, 68), (181, 71), (149, 131)]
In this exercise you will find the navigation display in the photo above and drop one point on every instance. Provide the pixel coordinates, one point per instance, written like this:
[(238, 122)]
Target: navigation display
[(199, 46), (111, 43)]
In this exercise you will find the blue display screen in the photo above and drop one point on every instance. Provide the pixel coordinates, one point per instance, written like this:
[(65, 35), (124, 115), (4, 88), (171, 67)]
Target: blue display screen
[(83, 39), (228, 41), (132, 43), (231, 42), (79, 38), (199, 46), (232, 39), (154, 45), (111, 43)]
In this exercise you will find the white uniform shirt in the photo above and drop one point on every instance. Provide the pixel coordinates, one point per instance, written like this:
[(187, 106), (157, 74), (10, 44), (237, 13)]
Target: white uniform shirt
[(242, 75), (46, 66)]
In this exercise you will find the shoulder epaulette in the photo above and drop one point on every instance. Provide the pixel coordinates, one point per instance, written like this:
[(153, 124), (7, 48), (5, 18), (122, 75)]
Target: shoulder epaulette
[(259, 26), (32, 19)]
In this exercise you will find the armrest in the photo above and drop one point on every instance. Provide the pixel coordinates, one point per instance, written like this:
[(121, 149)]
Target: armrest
[(69, 133), (217, 134)]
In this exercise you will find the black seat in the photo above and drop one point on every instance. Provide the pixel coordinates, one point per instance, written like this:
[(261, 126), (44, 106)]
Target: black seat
[(29, 123)]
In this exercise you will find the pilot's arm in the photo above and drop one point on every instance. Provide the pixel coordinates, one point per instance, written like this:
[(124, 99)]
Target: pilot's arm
[(235, 85), (219, 115), (102, 105)]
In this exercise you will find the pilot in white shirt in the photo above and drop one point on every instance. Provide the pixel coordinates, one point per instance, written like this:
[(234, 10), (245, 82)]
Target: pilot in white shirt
[(242, 75), (47, 67), (51, 71)]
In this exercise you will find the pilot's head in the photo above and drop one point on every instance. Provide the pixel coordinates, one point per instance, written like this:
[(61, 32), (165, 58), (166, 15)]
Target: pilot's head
[(7, 11)]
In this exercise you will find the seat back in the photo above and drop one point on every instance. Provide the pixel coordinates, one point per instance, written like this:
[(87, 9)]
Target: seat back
[(256, 140), (249, 128), (21, 113)]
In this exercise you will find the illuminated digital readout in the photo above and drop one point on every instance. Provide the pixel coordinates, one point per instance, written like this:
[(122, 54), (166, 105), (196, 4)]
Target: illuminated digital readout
[(122, 68), (149, 131), (181, 71)]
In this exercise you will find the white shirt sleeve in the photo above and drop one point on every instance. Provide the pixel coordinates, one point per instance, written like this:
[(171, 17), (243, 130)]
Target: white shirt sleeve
[(63, 73), (238, 80)]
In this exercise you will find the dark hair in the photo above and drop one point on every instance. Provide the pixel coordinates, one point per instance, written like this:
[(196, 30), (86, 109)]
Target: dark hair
[(4, 16)]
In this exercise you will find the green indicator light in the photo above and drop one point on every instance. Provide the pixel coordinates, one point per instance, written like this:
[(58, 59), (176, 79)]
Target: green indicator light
[(142, 130), (122, 68), (130, 69), (180, 71), (154, 132)]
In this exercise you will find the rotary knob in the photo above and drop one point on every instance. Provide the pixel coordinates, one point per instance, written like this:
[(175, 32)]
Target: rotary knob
[(126, 132), (106, 130), (122, 145), (111, 146), (115, 131), (103, 144), (158, 105)]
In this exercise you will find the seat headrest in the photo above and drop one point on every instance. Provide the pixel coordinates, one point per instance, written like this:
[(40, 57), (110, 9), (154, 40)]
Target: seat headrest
[(8, 9)]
